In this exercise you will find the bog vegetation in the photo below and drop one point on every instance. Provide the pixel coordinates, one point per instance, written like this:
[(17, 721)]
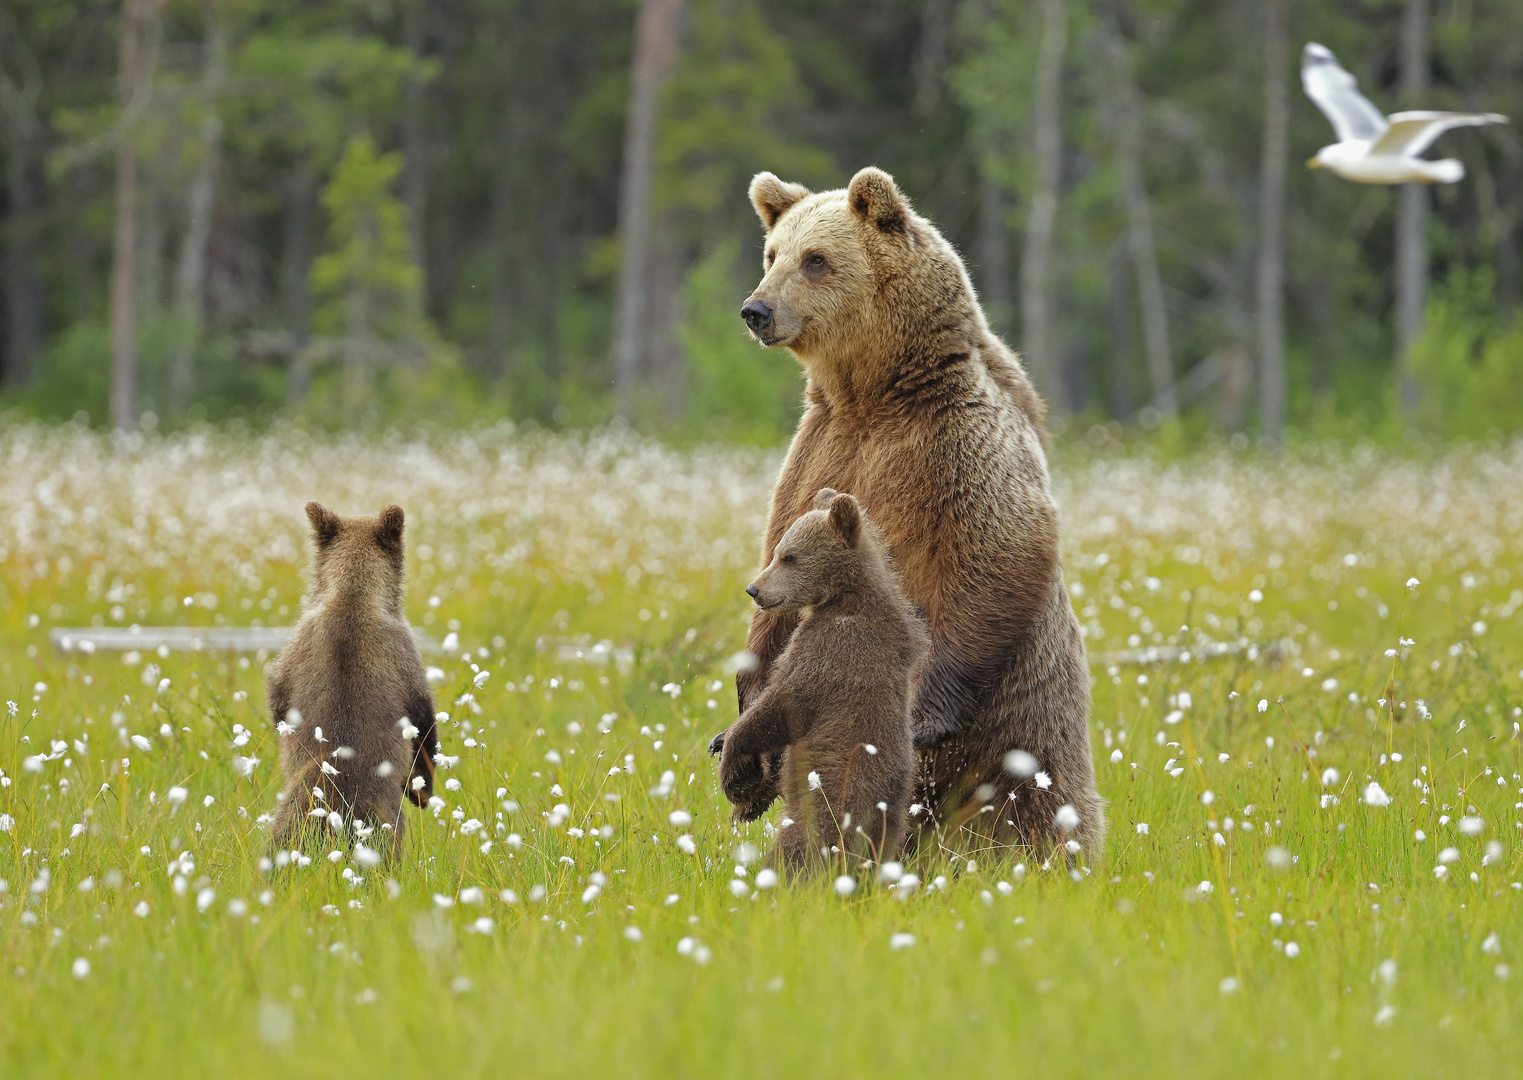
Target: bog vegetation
[(1306, 722)]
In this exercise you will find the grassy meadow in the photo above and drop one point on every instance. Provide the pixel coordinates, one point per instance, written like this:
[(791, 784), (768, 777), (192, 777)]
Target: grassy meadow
[(1312, 867)]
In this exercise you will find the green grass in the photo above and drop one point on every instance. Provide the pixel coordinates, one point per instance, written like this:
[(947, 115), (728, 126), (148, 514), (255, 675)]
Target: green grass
[(530, 545)]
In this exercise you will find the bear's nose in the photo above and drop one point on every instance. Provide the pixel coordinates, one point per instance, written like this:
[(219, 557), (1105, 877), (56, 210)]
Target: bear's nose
[(758, 315), (752, 591)]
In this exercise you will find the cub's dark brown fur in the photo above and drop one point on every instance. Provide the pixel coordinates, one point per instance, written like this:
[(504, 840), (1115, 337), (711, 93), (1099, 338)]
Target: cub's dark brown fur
[(919, 410), (351, 686), (838, 702)]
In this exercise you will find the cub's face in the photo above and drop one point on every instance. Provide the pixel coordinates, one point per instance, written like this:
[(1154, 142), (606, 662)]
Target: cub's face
[(363, 553), (816, 558)]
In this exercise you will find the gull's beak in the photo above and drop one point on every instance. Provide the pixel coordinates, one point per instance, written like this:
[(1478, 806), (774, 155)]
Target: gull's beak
[(1313, 163)]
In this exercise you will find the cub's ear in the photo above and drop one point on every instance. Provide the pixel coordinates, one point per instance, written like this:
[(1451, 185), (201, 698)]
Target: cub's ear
[(773, 197), (846, 518), (876, 199), (823, 497), (388, 530), (324, 523)]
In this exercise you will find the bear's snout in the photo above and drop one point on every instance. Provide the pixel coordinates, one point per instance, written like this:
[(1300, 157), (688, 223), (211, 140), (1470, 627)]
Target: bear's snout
[(758, 316), (752, 591)]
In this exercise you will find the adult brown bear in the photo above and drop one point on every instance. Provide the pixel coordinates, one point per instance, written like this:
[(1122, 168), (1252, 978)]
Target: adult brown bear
[(917, 409)]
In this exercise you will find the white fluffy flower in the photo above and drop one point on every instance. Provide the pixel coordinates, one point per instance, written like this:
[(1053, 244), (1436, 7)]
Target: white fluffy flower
[(1019, 763)]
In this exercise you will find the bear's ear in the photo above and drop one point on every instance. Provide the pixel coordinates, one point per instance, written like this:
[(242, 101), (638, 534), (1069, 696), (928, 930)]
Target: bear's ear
[(773, 197), (324, 523), (388, 531), (876, 199), (823, 498), (846, 518)]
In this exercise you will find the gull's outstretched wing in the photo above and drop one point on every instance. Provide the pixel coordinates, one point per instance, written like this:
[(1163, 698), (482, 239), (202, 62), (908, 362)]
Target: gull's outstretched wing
[(1410, 133), (1336, 93)]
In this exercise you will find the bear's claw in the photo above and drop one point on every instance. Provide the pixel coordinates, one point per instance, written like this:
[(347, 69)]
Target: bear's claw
[(929, 738), (716, 744)]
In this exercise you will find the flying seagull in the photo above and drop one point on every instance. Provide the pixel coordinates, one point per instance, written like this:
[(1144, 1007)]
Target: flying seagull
[(1372, 148)]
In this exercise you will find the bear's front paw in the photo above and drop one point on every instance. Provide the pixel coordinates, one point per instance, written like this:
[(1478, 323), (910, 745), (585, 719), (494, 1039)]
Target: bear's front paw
[(742, 778), (716, 744), (755, 807)]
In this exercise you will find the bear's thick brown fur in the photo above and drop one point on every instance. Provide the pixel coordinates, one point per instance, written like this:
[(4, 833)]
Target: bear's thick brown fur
[(349, 690), (837, 706), (915, 407)]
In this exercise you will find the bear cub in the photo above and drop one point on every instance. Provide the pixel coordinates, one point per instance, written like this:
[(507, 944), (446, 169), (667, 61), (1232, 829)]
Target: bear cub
[(348, 692), (837, 706)]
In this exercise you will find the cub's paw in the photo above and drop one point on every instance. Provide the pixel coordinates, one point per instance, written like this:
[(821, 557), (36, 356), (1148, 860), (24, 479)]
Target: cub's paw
[(716, 744)]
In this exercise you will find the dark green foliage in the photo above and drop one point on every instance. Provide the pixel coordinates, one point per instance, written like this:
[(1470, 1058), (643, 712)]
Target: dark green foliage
[(504, 124)]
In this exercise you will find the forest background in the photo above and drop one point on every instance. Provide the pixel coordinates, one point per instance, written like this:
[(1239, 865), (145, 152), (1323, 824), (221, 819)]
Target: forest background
[(438, 212)]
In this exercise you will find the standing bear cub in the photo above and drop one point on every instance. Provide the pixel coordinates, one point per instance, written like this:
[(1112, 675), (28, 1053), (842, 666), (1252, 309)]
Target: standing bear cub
[(838, 704), (348, 692)]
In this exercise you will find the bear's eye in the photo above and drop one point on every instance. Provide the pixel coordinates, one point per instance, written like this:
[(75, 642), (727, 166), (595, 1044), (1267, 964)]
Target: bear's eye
[(771, 258), (814, 262), (787, 559)]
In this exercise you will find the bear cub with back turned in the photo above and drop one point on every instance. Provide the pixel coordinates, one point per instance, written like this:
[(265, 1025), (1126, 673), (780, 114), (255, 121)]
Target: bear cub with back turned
[(838, 702), (348, 692)]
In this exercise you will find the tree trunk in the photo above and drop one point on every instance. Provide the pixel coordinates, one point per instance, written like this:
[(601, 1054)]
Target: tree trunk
[(500, 332), (190, 274), (657, 29), (415, 141), (1497, 189), (668, 371), (1139, 236), (136, 15), (1040, 352), (1271, 267), (1120, 356), (24, 177), (1412, 214), (295, 275), (994, 254), (930, 62)]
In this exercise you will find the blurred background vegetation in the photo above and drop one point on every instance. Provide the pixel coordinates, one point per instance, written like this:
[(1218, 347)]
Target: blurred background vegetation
[(359, 212)]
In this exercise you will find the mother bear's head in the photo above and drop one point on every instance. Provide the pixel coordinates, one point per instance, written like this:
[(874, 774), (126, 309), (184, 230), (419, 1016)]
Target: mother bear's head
[(852, 274)]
